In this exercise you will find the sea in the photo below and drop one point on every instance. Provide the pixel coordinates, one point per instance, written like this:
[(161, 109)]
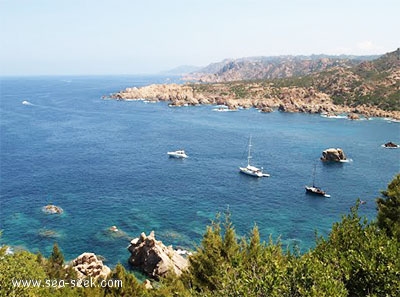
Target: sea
[(105, 163)]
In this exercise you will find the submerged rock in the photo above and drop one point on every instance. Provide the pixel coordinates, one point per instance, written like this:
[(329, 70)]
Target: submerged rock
[(48, 233), (52, 209), (333, 155), (154, 258)]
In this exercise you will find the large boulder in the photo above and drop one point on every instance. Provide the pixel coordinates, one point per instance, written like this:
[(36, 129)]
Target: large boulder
[(88, 265), (333, 155), (154, 258), (353, 116)]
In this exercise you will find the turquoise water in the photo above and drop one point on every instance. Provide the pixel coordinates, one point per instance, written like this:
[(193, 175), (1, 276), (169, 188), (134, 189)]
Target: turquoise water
[(104, 162)]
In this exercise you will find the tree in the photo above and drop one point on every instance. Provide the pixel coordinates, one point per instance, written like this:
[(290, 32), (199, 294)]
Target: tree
[(18, 267), (55, 263), (367, 260), (130, 285), (206, 263), (388, 218)]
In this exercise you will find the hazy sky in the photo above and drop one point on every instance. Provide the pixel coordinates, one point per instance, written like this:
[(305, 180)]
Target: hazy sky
[(147, 36)]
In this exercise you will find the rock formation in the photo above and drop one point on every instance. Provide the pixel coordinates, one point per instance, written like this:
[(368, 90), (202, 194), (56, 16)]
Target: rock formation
[(88, 265), (353, 116), (154, 258), (333, 155), (147, 284), (52, 209), (261, 95)]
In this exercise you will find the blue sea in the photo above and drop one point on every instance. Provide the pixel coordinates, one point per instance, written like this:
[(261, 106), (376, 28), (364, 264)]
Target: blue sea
[(104, 163)]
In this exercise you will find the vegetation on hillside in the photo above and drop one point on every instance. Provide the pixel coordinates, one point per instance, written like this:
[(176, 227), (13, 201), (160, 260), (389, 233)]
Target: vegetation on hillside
[(358, 258), (373, 83)]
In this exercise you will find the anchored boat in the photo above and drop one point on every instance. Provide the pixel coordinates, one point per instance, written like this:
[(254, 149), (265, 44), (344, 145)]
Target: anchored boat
[(250, 169), (314, 189)]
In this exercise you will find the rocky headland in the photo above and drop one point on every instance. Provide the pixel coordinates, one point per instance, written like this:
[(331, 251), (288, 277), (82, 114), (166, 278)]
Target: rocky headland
[(371, 89), (264, 96)]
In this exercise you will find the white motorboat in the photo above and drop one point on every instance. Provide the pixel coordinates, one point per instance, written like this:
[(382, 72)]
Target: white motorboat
[(180, 154), (250, 169)]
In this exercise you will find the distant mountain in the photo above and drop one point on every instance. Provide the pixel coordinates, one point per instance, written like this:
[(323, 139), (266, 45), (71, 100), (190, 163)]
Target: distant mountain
[(253, 68), (181, 70)]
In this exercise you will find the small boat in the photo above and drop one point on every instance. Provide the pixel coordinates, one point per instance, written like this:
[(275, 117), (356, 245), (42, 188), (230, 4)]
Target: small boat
[(180, 154), (316, 190), (221, 108), (252, 170), (390, 145)]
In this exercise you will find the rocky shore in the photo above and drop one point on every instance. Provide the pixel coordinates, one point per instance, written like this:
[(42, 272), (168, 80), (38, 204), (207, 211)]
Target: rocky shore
[(265, 97), (154, 258)]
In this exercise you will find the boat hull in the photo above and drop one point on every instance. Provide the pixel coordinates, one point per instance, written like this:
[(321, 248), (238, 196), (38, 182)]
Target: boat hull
[(177, 155), (396, 146), (316, 191), (252, 173)]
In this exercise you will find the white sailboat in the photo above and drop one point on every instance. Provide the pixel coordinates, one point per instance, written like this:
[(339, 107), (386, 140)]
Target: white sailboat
[(250, 169)]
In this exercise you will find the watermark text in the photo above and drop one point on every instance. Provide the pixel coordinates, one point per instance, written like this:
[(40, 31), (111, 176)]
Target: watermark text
[(61, 283)]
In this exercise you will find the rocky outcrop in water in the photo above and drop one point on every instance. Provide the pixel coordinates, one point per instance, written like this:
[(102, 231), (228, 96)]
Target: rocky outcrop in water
[(88, 265), (154, 258), (333, 155), (52, 209)]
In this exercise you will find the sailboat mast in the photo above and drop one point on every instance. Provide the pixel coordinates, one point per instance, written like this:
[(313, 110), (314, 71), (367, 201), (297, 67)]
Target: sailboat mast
[(249, 155), (313, 181)]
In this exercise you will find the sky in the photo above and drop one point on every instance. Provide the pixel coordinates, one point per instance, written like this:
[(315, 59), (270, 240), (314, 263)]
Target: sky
[(80, 37)]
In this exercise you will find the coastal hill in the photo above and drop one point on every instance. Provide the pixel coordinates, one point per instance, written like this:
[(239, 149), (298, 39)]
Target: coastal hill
[(181, 70), (252, 68), (370, 88)]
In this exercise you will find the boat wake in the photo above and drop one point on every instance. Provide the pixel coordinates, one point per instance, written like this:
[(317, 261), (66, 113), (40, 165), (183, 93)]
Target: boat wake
[(346, 161), (391, 120)]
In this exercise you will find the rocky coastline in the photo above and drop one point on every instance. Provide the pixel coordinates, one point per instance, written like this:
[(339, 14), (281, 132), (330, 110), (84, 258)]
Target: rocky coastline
[(266, 98), (154, 258)]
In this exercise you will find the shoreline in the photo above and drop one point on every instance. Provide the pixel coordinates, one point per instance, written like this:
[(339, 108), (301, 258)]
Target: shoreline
[(266, 99)]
